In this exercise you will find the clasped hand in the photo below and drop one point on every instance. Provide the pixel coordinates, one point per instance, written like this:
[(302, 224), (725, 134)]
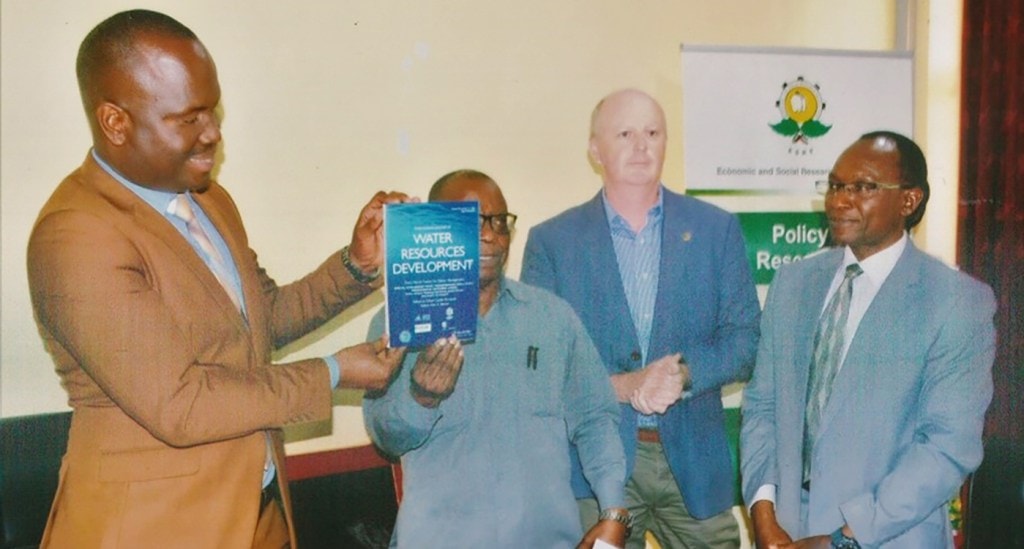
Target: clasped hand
[(661, 385)]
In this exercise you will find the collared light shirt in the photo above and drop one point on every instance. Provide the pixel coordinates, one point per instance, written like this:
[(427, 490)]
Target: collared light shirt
[(865, 287), (639, 256), (160, 200), (877, 269), (490, 466)]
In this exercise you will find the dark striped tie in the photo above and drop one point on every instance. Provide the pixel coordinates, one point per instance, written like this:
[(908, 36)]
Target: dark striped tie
[(828, 354)]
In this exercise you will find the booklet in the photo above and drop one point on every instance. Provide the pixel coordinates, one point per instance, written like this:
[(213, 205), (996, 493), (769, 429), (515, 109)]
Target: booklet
[(432, 271)]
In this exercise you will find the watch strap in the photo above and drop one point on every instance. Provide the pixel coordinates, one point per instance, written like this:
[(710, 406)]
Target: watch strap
[(622, 516), (355, 271), (842, 541)]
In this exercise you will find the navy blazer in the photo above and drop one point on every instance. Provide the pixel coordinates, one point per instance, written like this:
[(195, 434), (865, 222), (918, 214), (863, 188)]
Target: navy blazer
[(706, 308)]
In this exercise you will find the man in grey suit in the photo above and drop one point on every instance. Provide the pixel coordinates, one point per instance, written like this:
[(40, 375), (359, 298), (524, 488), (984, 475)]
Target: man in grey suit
[(897, 382)]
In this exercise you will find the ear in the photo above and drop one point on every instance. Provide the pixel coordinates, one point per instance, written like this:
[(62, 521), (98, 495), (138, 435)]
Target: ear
[(911, 200), (595, 155), (114, 122)]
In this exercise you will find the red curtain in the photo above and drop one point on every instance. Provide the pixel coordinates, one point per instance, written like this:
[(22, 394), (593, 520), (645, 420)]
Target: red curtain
[(991, 209)]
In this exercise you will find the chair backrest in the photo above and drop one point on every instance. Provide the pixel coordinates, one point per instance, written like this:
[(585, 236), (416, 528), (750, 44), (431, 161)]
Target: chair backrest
[(31, 449)]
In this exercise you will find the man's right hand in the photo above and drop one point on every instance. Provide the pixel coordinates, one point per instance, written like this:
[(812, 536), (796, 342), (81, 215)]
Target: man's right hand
[(768, 534), (369, 365), (436, 371)]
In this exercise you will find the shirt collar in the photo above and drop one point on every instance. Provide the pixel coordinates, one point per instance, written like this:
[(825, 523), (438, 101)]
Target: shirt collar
[(616, 221), (513, 288), (878, 266), (159, 200)]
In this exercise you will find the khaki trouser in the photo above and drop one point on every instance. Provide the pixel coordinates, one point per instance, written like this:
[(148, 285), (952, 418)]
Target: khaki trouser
[(653, 498)]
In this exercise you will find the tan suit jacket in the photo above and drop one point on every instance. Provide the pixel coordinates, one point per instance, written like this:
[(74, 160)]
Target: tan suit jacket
[(173, 390)]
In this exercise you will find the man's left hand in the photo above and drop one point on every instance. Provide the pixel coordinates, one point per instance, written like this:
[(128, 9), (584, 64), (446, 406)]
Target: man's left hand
[(609, 531), (367, 248), (813, 542)]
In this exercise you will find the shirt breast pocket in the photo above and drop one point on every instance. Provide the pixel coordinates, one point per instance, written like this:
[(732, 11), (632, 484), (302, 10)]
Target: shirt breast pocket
[(540, 389)]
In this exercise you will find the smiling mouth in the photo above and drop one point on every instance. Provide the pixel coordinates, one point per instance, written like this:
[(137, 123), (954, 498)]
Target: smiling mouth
[(490, 259), (203, 161)]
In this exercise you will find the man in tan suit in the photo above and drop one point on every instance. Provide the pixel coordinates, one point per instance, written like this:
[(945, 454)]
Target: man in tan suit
[(161, 322)]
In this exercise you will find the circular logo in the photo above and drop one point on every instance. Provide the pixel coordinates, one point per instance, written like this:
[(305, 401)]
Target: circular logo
[(800, 102)]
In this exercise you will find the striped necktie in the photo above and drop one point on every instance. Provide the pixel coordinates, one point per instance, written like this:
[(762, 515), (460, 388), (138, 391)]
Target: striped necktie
[(829, 342), (182, 209)]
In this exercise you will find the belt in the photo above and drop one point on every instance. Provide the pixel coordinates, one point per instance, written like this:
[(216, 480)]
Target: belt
[(272, 492), (648, 435)]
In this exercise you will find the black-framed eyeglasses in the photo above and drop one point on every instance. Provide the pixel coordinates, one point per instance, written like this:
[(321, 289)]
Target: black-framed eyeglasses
[(501, 223), (859, 189)]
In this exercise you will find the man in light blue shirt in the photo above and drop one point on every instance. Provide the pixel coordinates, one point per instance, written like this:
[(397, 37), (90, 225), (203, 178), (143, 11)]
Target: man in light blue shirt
[(485, 448)]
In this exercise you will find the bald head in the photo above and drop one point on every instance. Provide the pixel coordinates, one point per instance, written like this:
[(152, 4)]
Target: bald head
[(451, 183), (618, 98), (912, 166), (111, 47), (627, 141)]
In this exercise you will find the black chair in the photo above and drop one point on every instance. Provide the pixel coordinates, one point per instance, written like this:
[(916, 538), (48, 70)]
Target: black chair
[(31, 448), (994, 517)]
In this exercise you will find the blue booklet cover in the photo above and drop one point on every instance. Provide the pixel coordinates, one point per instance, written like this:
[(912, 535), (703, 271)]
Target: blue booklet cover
[(432, 271)]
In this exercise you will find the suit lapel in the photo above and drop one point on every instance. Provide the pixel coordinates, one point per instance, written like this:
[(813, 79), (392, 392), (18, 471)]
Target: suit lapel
[(237, 248), (143, 217), (893, 299), (595, 236), (678, 238), (809, 305)]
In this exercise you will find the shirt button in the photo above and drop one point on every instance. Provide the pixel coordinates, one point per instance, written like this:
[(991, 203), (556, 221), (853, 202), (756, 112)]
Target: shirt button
[(635, 355)]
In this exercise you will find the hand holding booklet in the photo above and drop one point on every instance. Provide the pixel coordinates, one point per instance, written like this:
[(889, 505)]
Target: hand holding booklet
[(432, 273)]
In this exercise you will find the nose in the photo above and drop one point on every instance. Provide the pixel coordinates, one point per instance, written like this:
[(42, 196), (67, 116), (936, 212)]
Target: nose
[(487, 234), (841, 199), (211, 130)]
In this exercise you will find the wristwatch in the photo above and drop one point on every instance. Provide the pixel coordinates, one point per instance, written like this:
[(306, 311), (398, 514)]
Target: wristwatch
[(842, 541), (355, 271), (619, 515)]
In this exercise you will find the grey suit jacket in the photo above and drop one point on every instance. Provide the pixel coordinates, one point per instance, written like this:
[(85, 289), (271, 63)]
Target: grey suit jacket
[(903, 425)]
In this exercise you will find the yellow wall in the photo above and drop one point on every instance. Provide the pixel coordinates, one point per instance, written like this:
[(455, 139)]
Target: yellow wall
[(326, 102)]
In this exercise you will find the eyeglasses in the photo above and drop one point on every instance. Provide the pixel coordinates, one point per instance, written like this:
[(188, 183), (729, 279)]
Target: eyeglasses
[(501, 223), (858, 189)]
